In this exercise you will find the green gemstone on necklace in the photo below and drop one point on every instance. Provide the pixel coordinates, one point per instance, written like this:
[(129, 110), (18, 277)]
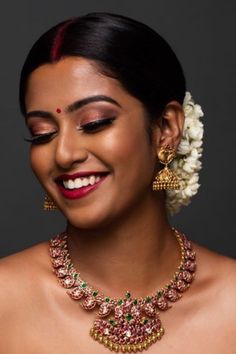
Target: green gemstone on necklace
[(84, 285), (95, 293), (120, 302), (148, 299), (112, 322), (75, 275), (107, 299), (159, 294), (127, 295), (135, 302), (129, 317), (144, 321)]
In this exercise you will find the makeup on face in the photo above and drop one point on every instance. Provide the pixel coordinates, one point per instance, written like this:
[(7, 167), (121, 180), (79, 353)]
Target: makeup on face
[(89, 118), (100, 131), (73, 106)]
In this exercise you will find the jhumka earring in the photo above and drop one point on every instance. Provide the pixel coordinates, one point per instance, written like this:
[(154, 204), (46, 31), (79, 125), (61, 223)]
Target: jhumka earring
[(166, 178), (49, 204)]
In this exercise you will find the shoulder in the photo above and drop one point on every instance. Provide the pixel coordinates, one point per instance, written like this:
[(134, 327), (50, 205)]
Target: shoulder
[(216, 267), (216, 276), (22, 272), (18, 261)]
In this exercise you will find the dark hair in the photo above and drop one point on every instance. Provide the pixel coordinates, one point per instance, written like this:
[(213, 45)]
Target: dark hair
[(122, 48)]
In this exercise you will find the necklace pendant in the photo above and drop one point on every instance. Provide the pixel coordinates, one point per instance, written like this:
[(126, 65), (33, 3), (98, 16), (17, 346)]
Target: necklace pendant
[(133, 327)]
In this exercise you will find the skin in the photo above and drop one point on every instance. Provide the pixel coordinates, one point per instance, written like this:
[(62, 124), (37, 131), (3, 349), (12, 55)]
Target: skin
[(115, 235)]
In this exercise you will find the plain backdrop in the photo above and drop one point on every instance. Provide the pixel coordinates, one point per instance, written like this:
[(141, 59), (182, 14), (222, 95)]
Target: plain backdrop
[(202, 33)]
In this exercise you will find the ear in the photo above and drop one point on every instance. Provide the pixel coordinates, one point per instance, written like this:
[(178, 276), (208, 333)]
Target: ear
[(170, 126)]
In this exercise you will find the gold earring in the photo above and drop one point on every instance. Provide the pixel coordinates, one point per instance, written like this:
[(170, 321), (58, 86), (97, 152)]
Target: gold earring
[(49, 204), (166, 178)]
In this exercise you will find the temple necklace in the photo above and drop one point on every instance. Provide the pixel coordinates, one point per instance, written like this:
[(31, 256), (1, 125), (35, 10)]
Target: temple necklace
[(127, 324)]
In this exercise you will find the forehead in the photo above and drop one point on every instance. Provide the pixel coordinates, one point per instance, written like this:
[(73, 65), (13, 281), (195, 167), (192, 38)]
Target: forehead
[(69, 79)]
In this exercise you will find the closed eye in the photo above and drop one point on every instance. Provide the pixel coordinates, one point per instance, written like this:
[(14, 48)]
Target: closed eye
[(96, 125), (40, 138)]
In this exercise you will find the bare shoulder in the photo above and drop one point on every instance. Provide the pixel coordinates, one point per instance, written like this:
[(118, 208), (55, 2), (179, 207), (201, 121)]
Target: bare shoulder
[(217, 280), (33, 254), (27, 295), (219, 267), (21, 272)]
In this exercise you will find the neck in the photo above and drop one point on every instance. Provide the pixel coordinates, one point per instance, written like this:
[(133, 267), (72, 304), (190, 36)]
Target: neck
[(137, 252)]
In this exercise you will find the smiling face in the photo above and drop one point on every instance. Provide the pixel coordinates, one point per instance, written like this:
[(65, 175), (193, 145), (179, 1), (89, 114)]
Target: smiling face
[(90, 151)]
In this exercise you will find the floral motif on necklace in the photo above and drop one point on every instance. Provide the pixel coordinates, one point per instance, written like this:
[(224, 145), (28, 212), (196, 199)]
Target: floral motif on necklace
[(128, 324)]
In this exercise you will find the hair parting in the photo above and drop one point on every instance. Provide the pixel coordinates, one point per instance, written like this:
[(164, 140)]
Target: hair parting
[(121, 48), (55, 53)]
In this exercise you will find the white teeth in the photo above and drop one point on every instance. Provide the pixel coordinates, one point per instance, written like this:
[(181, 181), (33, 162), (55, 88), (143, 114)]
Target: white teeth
[(81, 182), (85, 182), (78, 183), (65, 183), (92, 180), (71, 184)]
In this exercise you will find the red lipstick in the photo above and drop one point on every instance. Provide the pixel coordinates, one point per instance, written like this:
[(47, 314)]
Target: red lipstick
[(82, 191)]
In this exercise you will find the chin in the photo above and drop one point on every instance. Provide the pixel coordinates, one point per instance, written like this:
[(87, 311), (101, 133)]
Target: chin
[(87, 219)]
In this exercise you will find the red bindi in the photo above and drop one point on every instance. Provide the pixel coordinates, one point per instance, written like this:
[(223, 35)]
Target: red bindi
[(58, 110)]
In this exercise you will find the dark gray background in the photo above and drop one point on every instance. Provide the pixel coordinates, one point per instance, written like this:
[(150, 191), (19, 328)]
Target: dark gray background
[(203, 35)]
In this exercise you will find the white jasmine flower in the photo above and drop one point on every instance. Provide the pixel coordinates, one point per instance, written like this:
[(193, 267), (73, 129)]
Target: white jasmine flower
[(184, 147), (186, 164), (195, 133)]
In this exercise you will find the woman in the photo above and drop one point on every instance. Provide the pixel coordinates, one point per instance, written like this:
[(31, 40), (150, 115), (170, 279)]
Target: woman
[(103, 98)]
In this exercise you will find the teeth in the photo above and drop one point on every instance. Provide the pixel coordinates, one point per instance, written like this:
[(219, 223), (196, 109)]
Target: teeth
[(81, 182), (71, 184), (92, 180), (65, 183), (78, 183), (85, 182)]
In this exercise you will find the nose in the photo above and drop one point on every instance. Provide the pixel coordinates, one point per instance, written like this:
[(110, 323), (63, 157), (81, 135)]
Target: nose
[(69, 149)]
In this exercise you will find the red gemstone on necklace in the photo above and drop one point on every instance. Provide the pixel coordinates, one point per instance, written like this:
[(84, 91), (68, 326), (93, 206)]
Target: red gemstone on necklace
[(55, 252), (89, 303), (61, 272), (68, 282), (162, 303), (172, 295), (149, 309), (104, 310), (181, 285), (76, 294), (58, 110)]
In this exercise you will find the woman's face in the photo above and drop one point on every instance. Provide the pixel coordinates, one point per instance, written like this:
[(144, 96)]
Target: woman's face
[(91, 150)]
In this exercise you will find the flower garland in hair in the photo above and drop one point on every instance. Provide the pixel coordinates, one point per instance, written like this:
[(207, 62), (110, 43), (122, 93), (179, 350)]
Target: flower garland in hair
[(186, 164)]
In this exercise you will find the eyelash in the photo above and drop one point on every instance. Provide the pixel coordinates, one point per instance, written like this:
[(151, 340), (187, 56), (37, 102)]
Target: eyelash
[(40, 138), (95, 125), (88, 128)]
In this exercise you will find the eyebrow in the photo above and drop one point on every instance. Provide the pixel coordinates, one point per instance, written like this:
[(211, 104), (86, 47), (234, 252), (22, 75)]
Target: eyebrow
[(74, 106)]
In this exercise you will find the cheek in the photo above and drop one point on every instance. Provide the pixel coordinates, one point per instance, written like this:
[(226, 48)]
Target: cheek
[(40, 162), (129, 153)]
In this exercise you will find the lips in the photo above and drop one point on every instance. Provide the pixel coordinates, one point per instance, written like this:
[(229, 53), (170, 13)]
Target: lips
[(78, 185)]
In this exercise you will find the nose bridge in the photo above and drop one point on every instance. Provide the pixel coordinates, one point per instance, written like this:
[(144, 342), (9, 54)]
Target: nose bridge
[(69, 147)]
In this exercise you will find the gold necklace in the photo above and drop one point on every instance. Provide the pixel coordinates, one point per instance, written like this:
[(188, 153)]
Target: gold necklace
[(127, 324)]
